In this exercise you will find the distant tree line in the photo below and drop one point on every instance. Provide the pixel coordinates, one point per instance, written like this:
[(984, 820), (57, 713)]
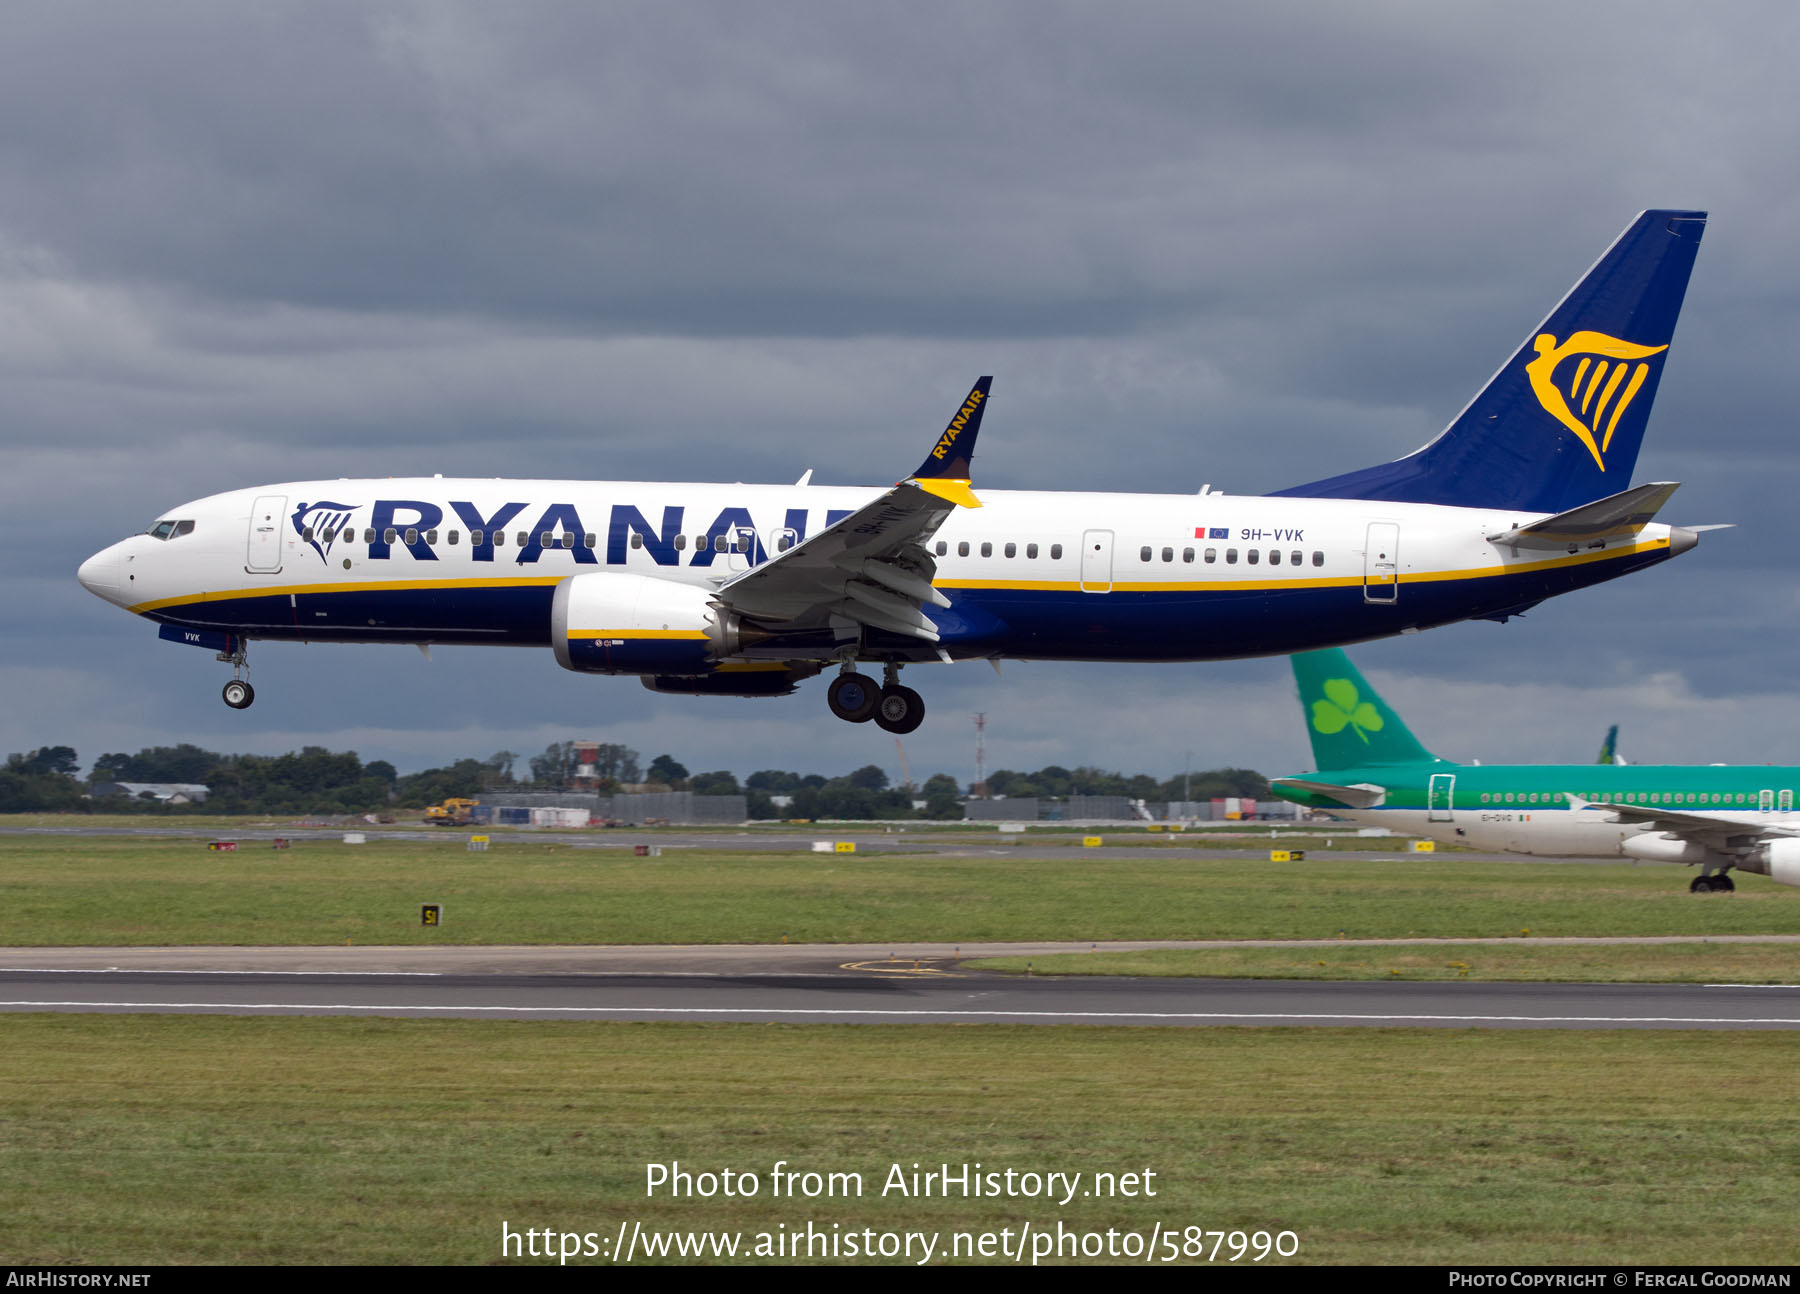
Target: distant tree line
[(317, 780)]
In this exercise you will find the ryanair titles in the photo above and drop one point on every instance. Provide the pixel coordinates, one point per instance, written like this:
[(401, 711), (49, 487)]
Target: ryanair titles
[(957, 423), (422, 528)]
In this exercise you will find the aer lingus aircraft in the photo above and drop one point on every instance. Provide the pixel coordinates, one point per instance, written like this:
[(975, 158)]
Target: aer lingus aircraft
[(746, 590), (1374, 771)]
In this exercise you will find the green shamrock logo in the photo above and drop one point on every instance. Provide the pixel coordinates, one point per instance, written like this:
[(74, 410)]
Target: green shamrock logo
[(1344, 708)]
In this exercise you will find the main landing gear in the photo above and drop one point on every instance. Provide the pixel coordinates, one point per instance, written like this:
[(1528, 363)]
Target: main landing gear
[(1720, 884), (238, 693), (855, 698)]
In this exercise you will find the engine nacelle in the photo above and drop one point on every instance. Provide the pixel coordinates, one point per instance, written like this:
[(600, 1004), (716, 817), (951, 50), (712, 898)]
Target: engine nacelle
[(607, 623), (1654, 847), (1779, 860)]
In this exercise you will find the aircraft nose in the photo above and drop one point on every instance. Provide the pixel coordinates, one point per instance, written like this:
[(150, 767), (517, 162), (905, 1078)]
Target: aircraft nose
[(99, 574)]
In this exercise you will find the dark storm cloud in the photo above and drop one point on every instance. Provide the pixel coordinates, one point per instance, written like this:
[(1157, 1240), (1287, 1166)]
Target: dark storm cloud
[(1244, 244)]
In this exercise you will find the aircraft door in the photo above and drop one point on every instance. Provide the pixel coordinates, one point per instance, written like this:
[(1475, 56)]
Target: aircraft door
[(1441, 798), (1096, 561), (1784, 803), (1381, 563), (781, 539), (742, 541), (1765, 800), (264, 552)]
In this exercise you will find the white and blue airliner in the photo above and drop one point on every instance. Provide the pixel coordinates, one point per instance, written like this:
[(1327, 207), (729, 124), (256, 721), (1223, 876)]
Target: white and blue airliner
[(746, 590)]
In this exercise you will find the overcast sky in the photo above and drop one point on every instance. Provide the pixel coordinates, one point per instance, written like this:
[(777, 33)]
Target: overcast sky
[(1251, 245)]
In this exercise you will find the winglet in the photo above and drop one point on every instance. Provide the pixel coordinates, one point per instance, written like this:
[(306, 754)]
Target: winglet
[(945, 471)]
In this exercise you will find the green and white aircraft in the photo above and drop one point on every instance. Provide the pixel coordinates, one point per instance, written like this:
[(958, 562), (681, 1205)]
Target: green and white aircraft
[(1372, 770)]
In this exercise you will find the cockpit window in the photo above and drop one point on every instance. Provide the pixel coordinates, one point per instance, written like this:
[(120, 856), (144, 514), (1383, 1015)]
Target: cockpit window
[(170, 529), (183, 528)]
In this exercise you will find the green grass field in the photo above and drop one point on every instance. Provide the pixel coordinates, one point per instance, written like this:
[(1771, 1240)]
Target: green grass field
[(142, 1140), (60, 890)]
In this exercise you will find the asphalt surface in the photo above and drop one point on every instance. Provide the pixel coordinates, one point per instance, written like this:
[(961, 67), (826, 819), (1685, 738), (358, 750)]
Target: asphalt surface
[(819, 985)]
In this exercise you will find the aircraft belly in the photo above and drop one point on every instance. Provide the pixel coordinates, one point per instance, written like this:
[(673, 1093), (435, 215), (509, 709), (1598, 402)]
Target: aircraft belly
[(516, 615)]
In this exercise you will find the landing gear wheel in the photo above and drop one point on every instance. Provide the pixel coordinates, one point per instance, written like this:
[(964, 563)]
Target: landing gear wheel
[(900, 709), (1701, 885), (239, 694), (853, 697), (1723, 884)]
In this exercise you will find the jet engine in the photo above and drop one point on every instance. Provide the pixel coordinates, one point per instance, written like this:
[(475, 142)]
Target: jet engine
[(1779, 860), (607, 623)]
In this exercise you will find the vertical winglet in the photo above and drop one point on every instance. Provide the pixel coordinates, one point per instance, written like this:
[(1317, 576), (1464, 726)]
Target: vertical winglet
[(945, 471)]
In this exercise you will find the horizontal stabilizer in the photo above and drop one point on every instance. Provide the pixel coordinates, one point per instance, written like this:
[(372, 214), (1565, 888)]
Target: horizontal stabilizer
[(1360, 795), (1593, 525)]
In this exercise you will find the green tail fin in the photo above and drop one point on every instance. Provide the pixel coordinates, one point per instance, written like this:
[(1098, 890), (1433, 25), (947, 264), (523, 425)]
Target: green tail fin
[(1350, 725)]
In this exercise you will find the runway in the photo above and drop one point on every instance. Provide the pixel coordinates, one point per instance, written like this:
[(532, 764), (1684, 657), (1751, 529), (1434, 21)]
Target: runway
[(855, 989)]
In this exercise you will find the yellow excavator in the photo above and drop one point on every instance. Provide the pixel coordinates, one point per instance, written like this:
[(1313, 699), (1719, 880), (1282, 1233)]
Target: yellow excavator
[(453, 812)]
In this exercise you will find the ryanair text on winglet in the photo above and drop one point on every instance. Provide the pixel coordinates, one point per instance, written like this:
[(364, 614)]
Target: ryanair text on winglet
[(956, 425)]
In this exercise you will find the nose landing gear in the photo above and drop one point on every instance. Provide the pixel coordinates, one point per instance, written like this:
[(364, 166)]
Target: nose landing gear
[(238, 693)]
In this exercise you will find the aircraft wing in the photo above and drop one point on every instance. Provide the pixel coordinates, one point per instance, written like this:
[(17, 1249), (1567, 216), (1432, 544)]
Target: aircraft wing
[(1713, 829), (873, 568)]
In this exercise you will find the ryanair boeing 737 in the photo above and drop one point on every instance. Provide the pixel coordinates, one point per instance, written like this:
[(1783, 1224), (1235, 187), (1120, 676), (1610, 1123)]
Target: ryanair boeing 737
[(1374, 771), (745, 590)]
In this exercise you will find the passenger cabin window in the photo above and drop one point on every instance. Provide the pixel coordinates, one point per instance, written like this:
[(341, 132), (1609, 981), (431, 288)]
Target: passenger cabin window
[(1231, 557), (1318, 559), (680, 543), (454, 538), (1144, 553), (589, 540), (568, 539), (1274, 557), (523, 538), (306, 535), (499, 539), (412, 536), (1168, 554), (1294, 557), (369, 534), (962, 548), (1187, 555), (390, 535), (637, 540), (475, 537), (431, 536), (1211, 554), (1031, 551), (942, 547), (1055, 552), (1012, 550), (987, 550), (1251, 556)]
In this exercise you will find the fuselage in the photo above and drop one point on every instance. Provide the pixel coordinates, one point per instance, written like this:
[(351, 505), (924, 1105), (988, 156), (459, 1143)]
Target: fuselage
[(1523, 808), (1070, 576)]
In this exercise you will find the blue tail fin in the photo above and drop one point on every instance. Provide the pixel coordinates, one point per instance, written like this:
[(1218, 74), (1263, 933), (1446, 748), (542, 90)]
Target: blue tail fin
[(1560, 424)]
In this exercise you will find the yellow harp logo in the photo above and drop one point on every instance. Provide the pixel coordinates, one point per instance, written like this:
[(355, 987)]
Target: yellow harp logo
[(1606, 366)]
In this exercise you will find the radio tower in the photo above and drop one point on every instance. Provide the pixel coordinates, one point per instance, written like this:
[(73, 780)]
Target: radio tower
[(980, 789)]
